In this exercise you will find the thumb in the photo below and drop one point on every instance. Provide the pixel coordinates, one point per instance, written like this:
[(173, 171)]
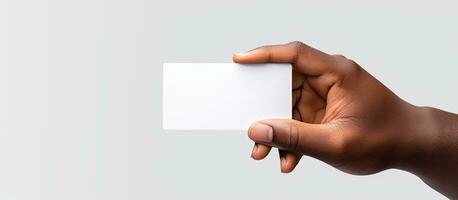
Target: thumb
[(315, 140)]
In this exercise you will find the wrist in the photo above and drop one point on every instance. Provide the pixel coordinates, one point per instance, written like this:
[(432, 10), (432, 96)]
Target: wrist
[(419, 138), (431, 150)]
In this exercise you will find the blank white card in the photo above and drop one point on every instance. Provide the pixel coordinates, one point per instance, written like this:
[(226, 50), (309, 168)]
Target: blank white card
[(224, 96)]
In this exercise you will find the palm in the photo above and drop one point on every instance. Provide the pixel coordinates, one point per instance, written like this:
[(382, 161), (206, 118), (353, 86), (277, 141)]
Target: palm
[(308, 105), (314, 101)]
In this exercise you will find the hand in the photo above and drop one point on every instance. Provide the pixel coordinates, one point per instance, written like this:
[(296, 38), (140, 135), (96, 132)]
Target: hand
[(346, 118), (341, 114)]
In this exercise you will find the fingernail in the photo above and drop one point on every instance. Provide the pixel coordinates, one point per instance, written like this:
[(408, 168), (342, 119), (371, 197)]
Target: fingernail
[(261, 132), (240, 54), (255, 148), (282, 163)]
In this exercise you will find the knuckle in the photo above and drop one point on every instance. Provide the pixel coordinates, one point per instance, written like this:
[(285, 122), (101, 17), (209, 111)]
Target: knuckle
[(340, 56), (350, 63), (298, 48), (296, 43), (341, 147), (288, 137), (347, 67), (293, 137)]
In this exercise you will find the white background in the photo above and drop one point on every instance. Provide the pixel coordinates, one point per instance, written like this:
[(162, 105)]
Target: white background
[(80, 93)]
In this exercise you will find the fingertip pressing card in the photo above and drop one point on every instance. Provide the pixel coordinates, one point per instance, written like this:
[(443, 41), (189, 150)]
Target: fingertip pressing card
[(224, 96)]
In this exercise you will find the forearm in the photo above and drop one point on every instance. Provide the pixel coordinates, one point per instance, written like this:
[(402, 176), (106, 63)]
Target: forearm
[(434, 149)]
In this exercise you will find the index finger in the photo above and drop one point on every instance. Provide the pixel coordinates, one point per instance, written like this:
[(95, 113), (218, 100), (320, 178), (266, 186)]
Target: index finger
[(303, 57)]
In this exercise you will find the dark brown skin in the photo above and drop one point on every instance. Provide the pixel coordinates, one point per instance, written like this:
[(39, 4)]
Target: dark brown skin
[(345, 117)]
